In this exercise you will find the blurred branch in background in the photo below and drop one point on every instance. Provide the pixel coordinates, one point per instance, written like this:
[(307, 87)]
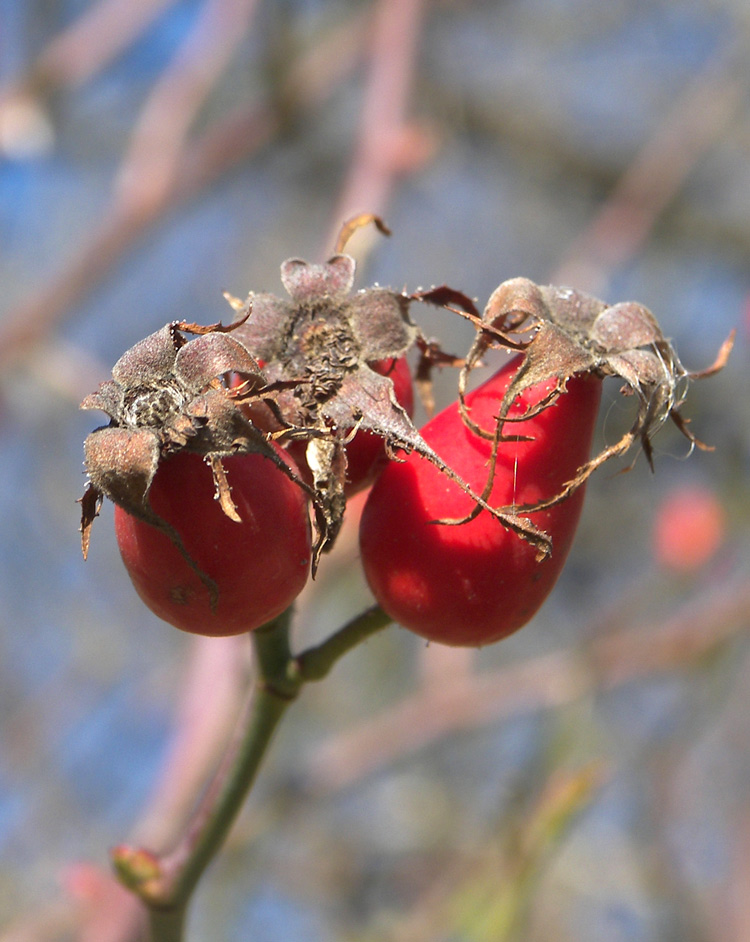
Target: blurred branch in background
[(610, 660), (157, 146), (201, 730), (83, 49), (707, 106), (137, 205), (729, 914), (388, 144), (487, 891)]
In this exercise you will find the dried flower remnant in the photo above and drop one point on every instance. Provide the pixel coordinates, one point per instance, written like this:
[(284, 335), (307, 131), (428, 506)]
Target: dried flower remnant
[(166, 395), (563, 332), (319, 347), (319, 385)]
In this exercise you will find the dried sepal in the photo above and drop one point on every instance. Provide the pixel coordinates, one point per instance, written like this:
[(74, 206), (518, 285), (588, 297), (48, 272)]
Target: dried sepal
[(431, 355), (326, 460), (91, 505), (209, 356), (167, 395), (721, 359), (121, 463), (107, 398), (381, 323), (317, 347), (564, 332), (223, 490), (304, 281), (150, 360), (218, 327)]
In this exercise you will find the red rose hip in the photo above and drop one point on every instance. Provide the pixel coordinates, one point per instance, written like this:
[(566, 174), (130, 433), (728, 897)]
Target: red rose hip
[(259, 565), (477, 582)]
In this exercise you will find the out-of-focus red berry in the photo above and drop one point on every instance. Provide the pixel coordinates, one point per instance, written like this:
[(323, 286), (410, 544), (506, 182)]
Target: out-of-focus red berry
[(689, 528)]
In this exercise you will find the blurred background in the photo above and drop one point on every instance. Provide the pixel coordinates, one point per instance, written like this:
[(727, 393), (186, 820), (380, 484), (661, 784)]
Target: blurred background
[(586, 779)]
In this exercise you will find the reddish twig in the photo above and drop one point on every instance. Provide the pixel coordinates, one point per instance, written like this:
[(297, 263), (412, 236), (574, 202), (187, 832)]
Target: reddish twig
[(385, 147), (228, 142)]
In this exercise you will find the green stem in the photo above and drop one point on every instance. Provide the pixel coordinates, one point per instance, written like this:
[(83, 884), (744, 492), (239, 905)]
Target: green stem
[(167, 925), (271, 697), (315, 663), (165, 884)]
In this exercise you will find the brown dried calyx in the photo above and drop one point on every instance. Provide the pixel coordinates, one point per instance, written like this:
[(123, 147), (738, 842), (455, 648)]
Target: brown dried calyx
[(563, 332), (316, 385), (319, 343), (167, 395)]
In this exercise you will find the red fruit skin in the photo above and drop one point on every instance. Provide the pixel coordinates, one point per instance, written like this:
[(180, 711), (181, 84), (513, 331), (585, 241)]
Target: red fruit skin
[(475, 583), (259, 564)]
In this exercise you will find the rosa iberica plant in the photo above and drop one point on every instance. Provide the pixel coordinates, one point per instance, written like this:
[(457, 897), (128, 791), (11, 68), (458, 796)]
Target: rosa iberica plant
[(476, 582), (469, 520)]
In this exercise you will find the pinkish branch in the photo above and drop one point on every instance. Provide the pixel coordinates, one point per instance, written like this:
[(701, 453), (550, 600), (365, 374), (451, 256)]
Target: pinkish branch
[(227, 143), (385, 147)]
